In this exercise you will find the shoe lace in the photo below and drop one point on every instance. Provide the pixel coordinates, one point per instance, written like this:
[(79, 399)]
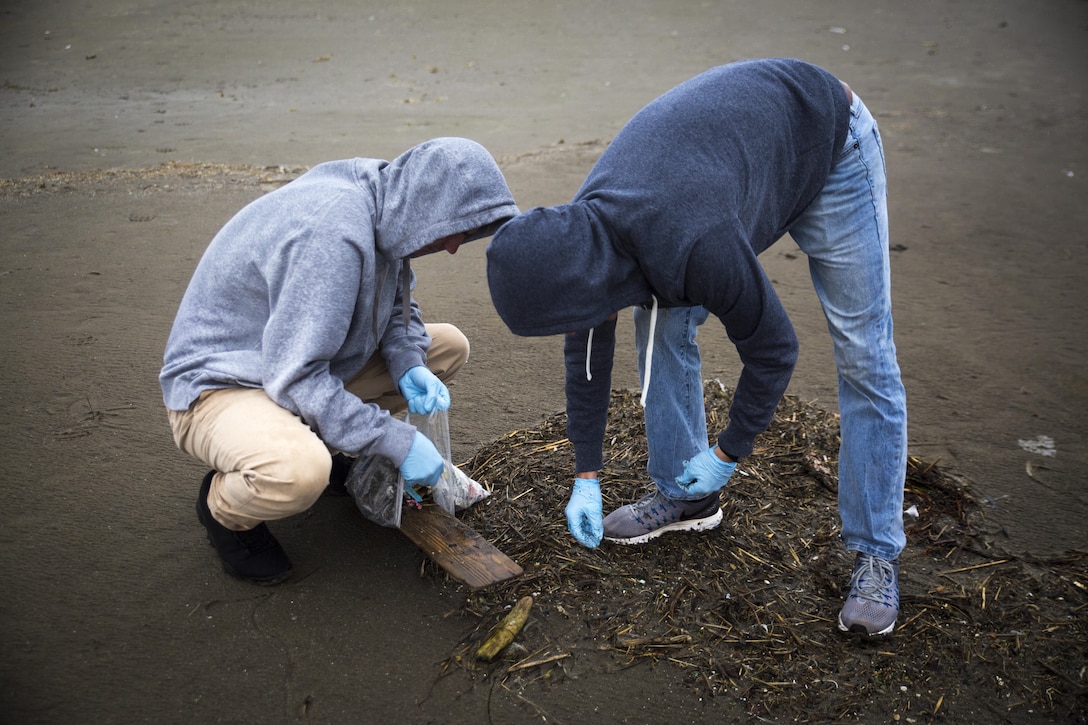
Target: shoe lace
[(872, 578), (647, 507), (255, 540)]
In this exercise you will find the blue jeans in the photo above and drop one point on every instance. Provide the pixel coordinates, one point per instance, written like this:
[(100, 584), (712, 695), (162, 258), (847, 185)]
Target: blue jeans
[(844, 233), (675, 410)]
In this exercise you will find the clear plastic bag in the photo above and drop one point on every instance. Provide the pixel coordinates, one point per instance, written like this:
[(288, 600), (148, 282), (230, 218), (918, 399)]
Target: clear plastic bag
[(378, 488), (454, 491)]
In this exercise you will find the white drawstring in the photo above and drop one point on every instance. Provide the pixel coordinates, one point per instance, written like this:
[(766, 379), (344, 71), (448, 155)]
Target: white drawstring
[(406, 291), (589, 351), (649, 353)]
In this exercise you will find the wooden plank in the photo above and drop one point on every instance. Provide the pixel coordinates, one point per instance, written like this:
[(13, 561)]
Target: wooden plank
[(449, 542)]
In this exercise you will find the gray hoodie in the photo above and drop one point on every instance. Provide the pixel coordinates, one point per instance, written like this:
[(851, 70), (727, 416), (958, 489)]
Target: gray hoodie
[(306, 283)]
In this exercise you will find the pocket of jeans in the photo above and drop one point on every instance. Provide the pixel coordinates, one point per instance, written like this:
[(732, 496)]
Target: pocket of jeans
[(880, 149), (851, 145)]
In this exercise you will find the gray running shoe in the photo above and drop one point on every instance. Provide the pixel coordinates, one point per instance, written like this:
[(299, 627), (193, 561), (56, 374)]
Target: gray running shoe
[(654, 514), (873, 602)]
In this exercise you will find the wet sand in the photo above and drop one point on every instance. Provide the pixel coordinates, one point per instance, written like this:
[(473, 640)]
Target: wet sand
[(116, 609)]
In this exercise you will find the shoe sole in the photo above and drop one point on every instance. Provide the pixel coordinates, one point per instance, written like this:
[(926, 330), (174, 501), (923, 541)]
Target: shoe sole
[(262, 582), (703, 524), (281, 577), (860, 629)]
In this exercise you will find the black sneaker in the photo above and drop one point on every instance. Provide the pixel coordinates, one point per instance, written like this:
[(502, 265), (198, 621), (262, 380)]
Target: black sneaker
[(252, 555)]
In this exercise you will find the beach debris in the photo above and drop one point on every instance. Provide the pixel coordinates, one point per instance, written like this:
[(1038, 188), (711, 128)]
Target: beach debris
[(1040, 445), (747, 610), (503, 633)]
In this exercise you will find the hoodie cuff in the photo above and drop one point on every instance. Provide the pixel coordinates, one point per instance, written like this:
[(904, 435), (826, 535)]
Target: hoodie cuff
[(736, 443), (400, 363), (395, 441), (588, 457)]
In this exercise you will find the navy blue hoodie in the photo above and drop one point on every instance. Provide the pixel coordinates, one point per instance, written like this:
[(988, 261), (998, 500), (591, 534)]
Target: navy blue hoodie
[(692, 189)]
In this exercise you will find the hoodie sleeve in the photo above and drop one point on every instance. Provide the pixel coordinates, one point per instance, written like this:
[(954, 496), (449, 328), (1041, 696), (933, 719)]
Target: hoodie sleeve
[(311, 311), (738, 292), (404, 347), (588, 396)]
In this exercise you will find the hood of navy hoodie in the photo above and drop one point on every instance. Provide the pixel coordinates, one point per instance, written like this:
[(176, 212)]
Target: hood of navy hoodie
[(692, 189), (555, 270)]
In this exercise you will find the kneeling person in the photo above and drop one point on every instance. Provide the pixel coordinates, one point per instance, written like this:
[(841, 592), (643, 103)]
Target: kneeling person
[(298, 337)]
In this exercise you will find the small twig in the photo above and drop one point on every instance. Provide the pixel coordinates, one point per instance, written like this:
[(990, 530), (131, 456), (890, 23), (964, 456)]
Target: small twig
[(972, 568), (536, 663)]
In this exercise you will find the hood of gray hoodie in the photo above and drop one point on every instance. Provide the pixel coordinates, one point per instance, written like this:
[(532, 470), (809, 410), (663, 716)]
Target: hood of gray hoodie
[(441, 187), (304, 284)]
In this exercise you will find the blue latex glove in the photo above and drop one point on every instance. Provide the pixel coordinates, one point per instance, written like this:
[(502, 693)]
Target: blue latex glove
[(705, 473), (423, 390), (585, 512), (423, 465)]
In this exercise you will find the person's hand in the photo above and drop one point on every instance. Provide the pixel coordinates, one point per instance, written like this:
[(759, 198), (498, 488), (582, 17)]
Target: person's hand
[(584, 512), (423, 390), (705, 473), (423, 465)]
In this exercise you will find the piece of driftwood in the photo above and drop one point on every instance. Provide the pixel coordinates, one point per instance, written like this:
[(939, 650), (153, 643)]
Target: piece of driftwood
[(464, 554), (503, 633)]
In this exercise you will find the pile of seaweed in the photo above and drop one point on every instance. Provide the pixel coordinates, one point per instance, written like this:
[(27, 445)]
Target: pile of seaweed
[(748, 610)]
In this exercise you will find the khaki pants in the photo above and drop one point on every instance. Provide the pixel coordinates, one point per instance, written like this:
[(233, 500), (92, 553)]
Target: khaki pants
[(268, 463)]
